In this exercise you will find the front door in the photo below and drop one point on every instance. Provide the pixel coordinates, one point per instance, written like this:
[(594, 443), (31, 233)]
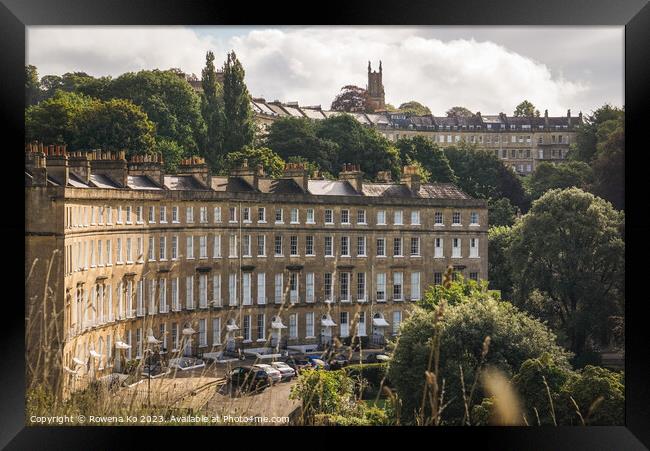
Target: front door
[(187, 350), (326, 335)]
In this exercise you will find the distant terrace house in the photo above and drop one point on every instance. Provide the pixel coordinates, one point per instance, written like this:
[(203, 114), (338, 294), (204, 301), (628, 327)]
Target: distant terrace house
[(521, 142), (196, 263)]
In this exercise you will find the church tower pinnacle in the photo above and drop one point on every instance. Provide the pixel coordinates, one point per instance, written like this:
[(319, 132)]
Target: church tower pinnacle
[(375, 88)]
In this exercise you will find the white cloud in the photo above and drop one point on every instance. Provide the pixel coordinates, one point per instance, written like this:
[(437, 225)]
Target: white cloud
[(309, 65)]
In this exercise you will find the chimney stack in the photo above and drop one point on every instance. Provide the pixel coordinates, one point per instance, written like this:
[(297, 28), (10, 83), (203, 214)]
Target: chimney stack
[(110, 163), (568, 117), (384, 177), (196, 167), (298, 173), (35, 163), (411, 178), (149, 165), (250, 175), (80, 165), (57, 162), (546, 118), (352, 173)]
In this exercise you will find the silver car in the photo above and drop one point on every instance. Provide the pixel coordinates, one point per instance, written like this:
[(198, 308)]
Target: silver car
[(274, 374), (285, 370)]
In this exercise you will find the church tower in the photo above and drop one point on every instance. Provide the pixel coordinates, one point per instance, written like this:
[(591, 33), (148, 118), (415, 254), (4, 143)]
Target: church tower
[(375, 88)]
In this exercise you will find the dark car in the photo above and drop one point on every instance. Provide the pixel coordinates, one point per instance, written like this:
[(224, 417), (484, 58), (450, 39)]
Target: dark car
[(376, 357), (298, 362), (248, 379), (338, 361)]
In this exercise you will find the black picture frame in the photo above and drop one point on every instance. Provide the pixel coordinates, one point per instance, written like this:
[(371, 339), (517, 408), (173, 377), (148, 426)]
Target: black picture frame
[(15, 15)]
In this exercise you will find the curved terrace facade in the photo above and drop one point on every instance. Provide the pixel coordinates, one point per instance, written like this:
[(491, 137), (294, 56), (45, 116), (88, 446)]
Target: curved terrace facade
[(197, 263)]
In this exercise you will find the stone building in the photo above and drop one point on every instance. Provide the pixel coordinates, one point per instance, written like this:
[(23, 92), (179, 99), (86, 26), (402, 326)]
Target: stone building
[(376, 98), (196, 263)]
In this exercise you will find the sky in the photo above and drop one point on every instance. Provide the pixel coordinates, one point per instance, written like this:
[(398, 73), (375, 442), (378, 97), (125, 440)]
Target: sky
[(486, 69)]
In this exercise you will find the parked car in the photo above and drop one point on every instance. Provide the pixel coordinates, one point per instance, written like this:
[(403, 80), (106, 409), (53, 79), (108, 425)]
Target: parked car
[(318, 364), (155, 370), (248, 378), (186, 363), (285, 370), (338, 361), (298, 362), (376, 357), (273, 373)]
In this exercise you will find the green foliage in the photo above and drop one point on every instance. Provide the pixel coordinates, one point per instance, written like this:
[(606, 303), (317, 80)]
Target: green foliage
[(587, 134), (271, 162), (526, 109), (212, 109), (459, 111), (168, 100), (609, 163), (239, 126), (359, 145), (588, 386), (297, 137), (414, 108), (501, 212), (531, 382), (423, 150), (373, 374), (499, 265), (32, 85), (454, 292), (171, 151), (463, 328), (114, 125), (351, 99), (55, 121), (481, 174), (482, 413), (570, 247), (564, 175), (323, 392)]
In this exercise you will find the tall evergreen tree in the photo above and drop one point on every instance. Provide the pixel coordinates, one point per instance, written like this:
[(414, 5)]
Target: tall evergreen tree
[(212, 111), (239, 130)]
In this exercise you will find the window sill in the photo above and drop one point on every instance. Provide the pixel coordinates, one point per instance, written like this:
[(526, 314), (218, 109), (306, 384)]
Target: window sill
[(294, 222), (456, 225), (247, 341), (278, 255), (260, 340), (310, 337), (162, 222), (438, 225), (329, 256), (474, 225), (310, 222), (279, 222)]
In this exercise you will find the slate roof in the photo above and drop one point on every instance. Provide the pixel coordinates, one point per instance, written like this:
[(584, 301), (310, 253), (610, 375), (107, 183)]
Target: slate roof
[(101, 181), (331, 188), (141, 182), (279, 186), (427, 191), (182, 183)]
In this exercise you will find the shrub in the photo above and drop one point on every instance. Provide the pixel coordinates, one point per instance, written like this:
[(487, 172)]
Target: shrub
[(374, 375)]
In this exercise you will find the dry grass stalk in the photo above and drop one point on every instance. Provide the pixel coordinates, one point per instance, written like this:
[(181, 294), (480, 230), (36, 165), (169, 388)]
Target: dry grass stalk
[(507, 407)]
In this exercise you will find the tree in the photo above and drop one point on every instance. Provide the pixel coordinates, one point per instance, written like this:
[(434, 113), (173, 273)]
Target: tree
[(78, 82), (542, 406), (323, 392), (501, 212), (599, 394), (239, 126), (116, 124), (462, 328), (168, 100), (272, 163), (297, 137), (414, 108), (171, 151), (32, 86), (609, 163), (426, 152), (526, 109), (351, 99), (586, 145), (565, 175), (481, 174), (499, 265), (459, 111), (570, 247), (359, 145), (55, 120), (212, 109)]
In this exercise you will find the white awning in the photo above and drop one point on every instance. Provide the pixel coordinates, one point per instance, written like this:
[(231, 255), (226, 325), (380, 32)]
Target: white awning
[(231, 327), (95, 354), (278, 325), (188, 331), (327, 322), (78, 361), (121, 345), (152, 340), (380, 322)]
